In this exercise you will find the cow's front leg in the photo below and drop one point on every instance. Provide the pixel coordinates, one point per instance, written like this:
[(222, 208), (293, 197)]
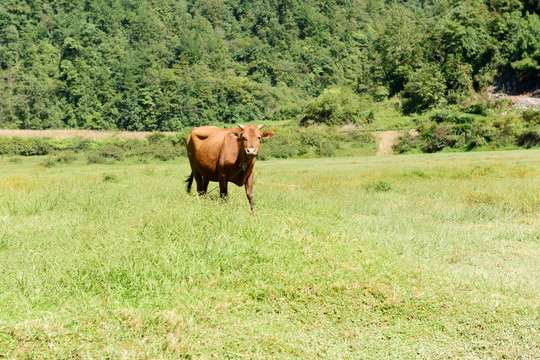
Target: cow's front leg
[(249, 193), (223, 186)]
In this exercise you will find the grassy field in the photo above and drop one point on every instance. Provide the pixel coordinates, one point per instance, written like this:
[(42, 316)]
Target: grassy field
[(424, 256)]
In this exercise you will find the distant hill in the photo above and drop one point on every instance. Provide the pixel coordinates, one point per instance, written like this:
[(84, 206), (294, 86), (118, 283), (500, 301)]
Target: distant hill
[(164, 65)]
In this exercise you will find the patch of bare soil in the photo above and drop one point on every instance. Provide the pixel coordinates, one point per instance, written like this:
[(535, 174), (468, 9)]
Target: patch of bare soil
[(387, 139), (523, 101), (91, 134)]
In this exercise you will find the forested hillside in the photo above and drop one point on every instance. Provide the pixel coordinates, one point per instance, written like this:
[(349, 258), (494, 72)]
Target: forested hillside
[(166, 64)]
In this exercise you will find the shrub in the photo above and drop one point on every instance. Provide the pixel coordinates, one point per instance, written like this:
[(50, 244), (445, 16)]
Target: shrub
[(313, 135), (379, 186), (529, 138), (327, 148), (66, 157), (336, 106), (48, 162), (531, 117), (285, 144), (63, 157), (95, 157), (110, 178), (406, 143), (441, 136), (508, 128), (485, 130), (131, 144), (451, 116), (156, 137), (25, 146), (162, 151), (180, 137), (111, 151), (77, 143), (82, 144), (477, 109)]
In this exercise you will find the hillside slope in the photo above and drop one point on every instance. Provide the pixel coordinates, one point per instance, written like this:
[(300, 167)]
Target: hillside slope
[(163, 65)]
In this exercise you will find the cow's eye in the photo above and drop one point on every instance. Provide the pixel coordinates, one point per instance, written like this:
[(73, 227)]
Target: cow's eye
[(244, 138), (259, 138)]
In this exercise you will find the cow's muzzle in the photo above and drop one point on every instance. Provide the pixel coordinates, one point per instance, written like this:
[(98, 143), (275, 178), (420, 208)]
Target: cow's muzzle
[(251, 152)]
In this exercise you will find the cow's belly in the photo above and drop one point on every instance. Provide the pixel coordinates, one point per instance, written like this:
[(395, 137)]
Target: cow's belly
[(207, 168)]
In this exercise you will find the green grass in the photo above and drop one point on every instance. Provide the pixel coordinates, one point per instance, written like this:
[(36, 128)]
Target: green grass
[(417, 256)]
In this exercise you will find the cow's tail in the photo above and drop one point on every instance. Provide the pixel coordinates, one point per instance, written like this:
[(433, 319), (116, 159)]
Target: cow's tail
[(189, 181)]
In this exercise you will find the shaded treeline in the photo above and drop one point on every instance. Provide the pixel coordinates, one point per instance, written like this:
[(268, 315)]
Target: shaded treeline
[(163, 65)]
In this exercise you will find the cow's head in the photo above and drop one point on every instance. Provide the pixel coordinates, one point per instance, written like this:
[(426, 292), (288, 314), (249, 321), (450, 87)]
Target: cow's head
[(250, 136)]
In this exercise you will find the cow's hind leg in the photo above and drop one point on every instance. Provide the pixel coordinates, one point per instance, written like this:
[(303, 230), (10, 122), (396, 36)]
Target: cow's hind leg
[(201, 190), (205, 183), (189, 182)]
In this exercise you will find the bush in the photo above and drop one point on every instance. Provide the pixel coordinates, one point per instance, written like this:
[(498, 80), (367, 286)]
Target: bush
[(156, 137), (313, 135), (110, 178), (111, 151), (131, 145), (485, 130), (48, 162), (477, 109), (531, 117), (179, 139), (25, 146), (95, 157), (77, 144), (66, 157), (529, 138), (162, 151), (508, 129), (441, 136), (379, 186), (285, 144), (327, 148), (406, 143), (336, 106), (451, 116)]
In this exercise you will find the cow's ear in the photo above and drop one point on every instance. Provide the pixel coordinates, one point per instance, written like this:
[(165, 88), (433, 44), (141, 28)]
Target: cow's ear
[(267, 134)]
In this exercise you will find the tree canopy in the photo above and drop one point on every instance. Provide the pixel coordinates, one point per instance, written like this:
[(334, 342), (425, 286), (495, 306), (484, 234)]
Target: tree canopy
[(167, 64)]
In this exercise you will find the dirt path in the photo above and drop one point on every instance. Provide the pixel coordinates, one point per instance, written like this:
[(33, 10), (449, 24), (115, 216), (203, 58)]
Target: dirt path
[(387, 139)]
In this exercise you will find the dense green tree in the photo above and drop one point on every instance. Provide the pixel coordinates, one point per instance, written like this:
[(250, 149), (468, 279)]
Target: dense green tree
[(166, 64)]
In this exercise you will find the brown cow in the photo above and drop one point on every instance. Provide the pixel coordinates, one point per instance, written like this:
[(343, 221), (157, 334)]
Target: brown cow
[(224, 155)]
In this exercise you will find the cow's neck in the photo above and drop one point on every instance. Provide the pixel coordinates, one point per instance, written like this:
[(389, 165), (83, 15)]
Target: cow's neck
[(244, 163)]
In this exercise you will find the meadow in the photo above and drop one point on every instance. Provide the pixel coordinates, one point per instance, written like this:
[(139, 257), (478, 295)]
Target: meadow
[(411, 256)]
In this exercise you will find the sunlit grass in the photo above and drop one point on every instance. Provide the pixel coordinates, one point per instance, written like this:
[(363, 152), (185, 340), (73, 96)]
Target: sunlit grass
[(430, 256)]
